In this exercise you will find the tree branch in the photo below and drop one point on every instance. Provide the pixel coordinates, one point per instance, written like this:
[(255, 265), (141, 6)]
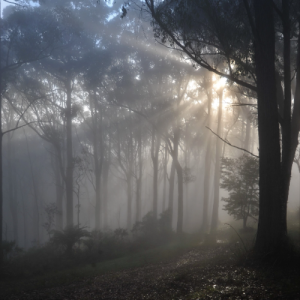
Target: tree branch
[(228, 143)]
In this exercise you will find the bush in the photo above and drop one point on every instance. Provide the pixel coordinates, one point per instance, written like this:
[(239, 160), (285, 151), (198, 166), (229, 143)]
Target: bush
[(68, 237), (151, 231)]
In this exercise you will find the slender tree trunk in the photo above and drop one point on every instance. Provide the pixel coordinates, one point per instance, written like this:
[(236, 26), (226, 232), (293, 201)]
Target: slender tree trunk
[(35, 196), (97, 194), (179, 173), (70, 166), (206, 188), (139, 178), (215, 212), (13, 205), (207, 170), (171, 191), (165, 177), (155, 145), (180, 197), (129, 202), (24, 222), (248, 130), (59, 185), (106, 166), (1, 182)]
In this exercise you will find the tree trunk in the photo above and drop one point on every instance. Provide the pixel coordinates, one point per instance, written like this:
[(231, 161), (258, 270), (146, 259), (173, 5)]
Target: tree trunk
[(1, 184), (207, 170), (165, 177), (129, 201), (171, 191), (106, 167), (179, 173), (12, 191), (180, 197), (97, 194), (206, 187), (70, 166), (248, 130), (155, 145), (59, 186), (35, 196), (215, 212), (139, 179), (271, 233)]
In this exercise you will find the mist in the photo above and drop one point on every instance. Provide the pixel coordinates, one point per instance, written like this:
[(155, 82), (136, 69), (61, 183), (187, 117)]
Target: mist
[(112, 135)]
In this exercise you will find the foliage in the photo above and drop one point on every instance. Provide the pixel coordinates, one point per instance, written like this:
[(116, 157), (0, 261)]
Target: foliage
[(10, 249), (151, 231), (51, 211), (68, 237), (240, 178)]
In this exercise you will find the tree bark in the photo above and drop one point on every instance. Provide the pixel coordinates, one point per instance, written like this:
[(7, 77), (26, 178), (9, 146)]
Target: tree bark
[(12, 192), (271, 233), (129, 201), (70, 166), (35, 196), (165, 174), (171, 191), (215, 212), (179, 173), (59, 184), (1, 183), (206, 188), (139, 178), (155, 145)]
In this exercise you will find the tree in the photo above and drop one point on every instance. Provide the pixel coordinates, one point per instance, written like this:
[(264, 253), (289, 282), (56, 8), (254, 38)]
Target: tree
[(27, 35), (240, 178), (253, 40)]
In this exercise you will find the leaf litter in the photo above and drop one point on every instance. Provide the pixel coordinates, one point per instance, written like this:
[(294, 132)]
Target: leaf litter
[(200, 273)]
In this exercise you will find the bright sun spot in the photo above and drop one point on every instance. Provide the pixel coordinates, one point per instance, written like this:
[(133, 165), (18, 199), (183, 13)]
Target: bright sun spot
[(219, 82)]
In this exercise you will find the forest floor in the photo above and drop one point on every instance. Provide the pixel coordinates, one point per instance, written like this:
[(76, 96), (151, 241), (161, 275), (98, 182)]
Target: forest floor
[(199, 273)]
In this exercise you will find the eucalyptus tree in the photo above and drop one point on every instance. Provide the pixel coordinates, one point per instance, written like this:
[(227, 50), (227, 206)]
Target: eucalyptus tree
[(254, 52), (27, 35), (64, 66), (96, 83)]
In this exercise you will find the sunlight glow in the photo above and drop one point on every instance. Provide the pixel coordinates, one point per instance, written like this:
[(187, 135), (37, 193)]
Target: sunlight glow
[(219, 82)]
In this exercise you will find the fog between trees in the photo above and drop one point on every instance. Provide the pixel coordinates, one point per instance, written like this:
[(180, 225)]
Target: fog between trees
[(117, 125)]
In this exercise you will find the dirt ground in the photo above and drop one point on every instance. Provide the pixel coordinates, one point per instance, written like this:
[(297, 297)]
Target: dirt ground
[(200, 273)]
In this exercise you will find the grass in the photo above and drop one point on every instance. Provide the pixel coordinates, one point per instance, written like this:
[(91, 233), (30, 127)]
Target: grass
[(74, 274)]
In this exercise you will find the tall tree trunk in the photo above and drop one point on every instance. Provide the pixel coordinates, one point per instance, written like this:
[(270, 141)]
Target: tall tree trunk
[(171, 191), (106, 167), (1, 183), (12, 191), (155, 145), (139, 178), (165, 174), (180, 197), (97, 194), (179, 173), (248, 131), (24, 221), (206, 188), (129, 201), (59, 186), (70, 166), (207, 170), (35, 196), (98, 159), (215, 212), (271, 233)]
